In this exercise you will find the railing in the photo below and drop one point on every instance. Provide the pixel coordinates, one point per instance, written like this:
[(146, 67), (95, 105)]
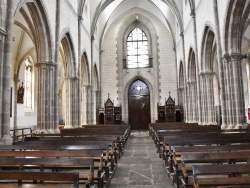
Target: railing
[(20, 134)]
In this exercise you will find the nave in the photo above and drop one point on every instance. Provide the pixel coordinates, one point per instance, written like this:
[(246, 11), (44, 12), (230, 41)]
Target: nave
[(140, 165)]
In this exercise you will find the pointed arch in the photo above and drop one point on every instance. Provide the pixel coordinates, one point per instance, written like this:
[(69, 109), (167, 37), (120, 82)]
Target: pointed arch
[(236, 20), (39, 27), (85, 74), (67, 54), (181, 75)]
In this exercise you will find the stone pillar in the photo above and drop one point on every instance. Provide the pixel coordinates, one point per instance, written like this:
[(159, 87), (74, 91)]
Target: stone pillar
[(89, 105), (51, 97), (184, 71), (42, 97), (69, 120), (84, 100), (91, 97), (237, 90), (203, 99), (16, 80), (192, 107), (56, 68), (2, 43), (6, 87), (76, 103), (221, 69), (210, 99), (181, 100), (198, 99)]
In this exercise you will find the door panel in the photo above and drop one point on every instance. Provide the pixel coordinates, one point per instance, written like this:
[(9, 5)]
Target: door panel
[(139, 105)]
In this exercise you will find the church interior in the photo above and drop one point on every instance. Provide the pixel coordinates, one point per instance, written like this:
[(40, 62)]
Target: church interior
[(126, 72)]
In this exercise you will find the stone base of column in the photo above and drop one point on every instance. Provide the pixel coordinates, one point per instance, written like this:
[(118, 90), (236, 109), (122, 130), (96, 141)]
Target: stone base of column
[(6, 140), (223, 126), (230, 127), (241, 126), (41, 131), (68, 127)]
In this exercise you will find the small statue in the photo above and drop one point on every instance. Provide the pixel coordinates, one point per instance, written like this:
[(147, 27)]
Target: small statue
[(20, 94)]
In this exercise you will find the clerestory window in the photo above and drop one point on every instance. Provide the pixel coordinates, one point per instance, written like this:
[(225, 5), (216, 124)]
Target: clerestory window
[(137, 49)]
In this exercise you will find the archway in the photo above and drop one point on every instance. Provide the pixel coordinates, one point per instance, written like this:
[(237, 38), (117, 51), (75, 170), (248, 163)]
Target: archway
[(139, 105)]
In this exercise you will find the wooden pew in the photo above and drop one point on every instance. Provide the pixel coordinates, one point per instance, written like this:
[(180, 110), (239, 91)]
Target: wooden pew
[(212, 175), (173, 162), (188, 160), (86, 148), (55, 179), (196, 139), (117, 145), (159, 139), (101, 162), (83, 165)]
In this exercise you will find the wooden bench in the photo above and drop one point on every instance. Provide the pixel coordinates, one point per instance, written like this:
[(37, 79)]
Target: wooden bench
[(101, 165), (221, 175), (83, 165), (116, 144), (188, 160), (172, 164), (53, 178)]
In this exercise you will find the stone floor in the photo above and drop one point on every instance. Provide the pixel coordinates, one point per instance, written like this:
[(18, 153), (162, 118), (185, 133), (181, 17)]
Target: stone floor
[(140, 165)]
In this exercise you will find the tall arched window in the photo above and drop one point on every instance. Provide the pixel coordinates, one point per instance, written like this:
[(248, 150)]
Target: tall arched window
[(28, 85), (137, 49)]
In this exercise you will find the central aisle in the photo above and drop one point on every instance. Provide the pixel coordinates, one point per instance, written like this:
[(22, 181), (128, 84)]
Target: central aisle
[(140, 165)]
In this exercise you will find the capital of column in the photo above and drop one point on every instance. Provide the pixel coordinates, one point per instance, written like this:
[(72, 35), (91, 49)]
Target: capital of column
[(41, 64), (209, 73), (16, 79), (236, 57), (80, 19), (92, 38), (192, 13), (101, 52), (180, 89), (51, 63), (71, 78), (225, 58), (191, 82), (181, 34), (2, 34)]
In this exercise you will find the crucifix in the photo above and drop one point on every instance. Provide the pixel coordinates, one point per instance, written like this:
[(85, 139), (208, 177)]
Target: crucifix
[(169, 93)]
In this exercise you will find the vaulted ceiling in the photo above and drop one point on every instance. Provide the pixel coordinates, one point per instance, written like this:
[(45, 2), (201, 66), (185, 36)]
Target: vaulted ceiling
[(104, 12)]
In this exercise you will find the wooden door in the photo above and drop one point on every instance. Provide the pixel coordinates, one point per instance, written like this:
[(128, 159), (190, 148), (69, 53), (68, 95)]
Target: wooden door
[(139, 105)]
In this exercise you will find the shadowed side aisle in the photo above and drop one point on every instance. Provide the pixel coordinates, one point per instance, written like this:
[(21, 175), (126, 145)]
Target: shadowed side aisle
[(140, 165)]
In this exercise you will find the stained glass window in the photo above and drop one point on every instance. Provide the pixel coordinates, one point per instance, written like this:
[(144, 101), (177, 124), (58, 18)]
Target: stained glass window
[(27, 85)]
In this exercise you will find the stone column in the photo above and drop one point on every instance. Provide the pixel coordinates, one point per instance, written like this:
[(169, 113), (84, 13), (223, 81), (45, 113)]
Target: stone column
[(16, 80), (210, 98), (203, 99), (42, 97), (89, 105), (181, 101), (221, 69), (91, 97), (2, 42), (69, 120), (237, 90), (84, 100), (76, 106), (188, 103), (51, 97), (56, 68), (184, 71), (198, 99), (6, 139)]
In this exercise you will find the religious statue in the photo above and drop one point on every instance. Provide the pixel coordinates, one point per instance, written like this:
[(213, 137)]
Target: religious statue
[(20, 94)]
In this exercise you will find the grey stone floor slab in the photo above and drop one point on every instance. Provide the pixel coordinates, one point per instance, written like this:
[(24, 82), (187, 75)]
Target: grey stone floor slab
[(140, 165)]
